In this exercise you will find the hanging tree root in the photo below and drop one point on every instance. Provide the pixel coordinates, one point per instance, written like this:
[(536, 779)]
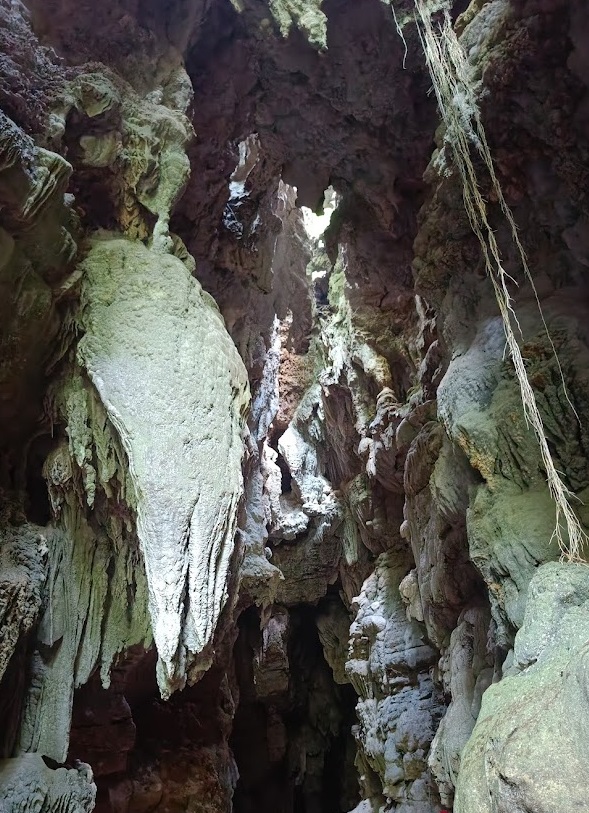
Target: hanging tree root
[(459, 110)]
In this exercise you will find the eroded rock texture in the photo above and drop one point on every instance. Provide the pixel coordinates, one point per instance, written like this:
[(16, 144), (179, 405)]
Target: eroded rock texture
[(275, 534), (546, 680), (151, 335)]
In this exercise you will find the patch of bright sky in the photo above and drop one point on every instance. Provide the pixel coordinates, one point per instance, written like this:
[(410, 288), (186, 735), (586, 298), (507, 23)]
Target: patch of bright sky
[(314, 224)]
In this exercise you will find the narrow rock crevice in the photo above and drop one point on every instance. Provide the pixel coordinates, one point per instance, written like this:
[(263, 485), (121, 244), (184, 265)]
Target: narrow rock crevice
[(292, 735)]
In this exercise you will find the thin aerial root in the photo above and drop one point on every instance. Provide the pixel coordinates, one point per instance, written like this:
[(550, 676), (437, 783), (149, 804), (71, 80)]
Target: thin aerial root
[(458, 106), (399, 32)]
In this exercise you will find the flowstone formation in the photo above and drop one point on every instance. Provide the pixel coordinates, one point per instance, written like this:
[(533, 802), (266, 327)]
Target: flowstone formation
[(156, 350), (275, 532)]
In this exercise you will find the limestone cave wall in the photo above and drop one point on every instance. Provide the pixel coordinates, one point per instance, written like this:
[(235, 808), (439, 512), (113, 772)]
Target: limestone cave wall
[(275, 533)]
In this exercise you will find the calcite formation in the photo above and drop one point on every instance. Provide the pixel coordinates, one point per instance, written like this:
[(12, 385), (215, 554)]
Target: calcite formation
[(156, 351), (398, 708), (274, 531)]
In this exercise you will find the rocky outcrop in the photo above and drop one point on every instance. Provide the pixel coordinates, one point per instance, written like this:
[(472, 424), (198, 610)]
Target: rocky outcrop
[(398, 708), (526, 751), (24, 556), (28, 783)]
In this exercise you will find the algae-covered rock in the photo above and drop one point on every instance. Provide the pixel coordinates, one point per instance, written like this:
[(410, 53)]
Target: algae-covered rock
[(175, 389), (23, 553), (308, 17), (28, 784), (508, 538), (511, 516), (36, 247), (530, 747), (144, 146)]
